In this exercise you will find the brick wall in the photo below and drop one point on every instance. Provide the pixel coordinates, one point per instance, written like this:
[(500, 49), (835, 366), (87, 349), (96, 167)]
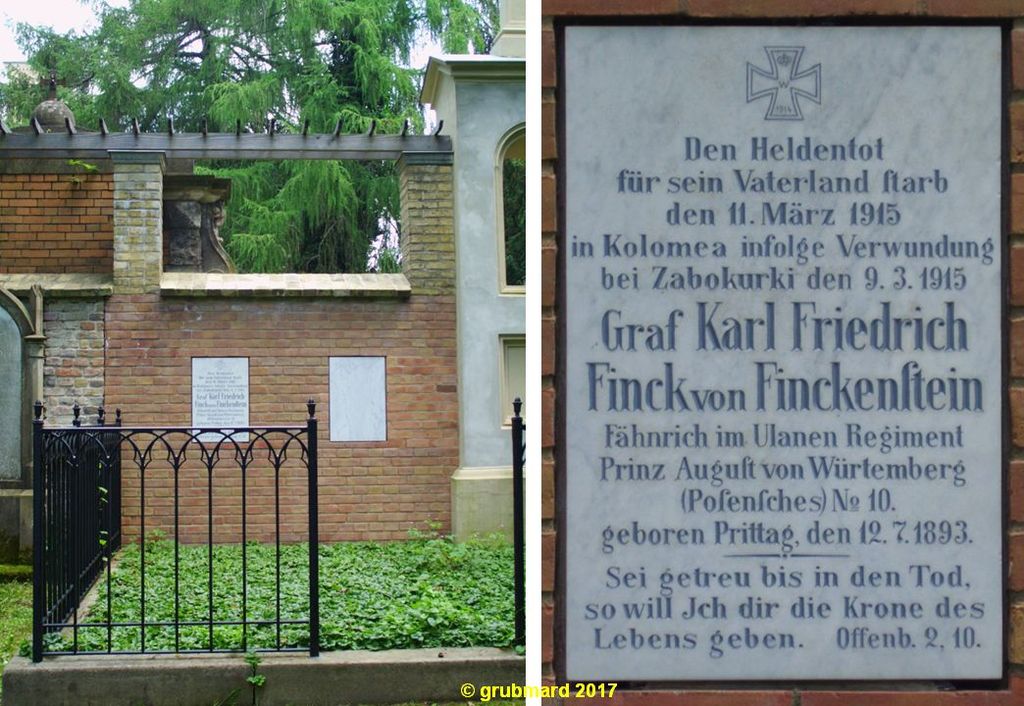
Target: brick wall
[(73, 367), (368, 490), (796, 10), (57, 222)]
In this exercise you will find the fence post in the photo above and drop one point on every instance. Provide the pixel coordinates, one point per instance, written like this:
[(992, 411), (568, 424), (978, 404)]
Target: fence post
[(314, 534), (38, 539), (518, 520)]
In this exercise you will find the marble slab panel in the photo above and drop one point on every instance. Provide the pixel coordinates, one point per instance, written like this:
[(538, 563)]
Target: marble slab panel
[(783, 381)]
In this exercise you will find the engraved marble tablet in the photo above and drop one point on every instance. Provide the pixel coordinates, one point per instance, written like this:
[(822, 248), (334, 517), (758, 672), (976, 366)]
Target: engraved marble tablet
[(783, 381), (220, 396), (358, 399)]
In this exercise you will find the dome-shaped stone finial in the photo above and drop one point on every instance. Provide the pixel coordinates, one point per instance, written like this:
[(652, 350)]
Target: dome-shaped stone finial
[(52, 112)]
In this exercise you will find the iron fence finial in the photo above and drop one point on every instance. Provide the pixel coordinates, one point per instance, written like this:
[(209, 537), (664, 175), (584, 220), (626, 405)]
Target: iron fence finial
[(311, 406), (517, 406), (77, 411), (38, 409)]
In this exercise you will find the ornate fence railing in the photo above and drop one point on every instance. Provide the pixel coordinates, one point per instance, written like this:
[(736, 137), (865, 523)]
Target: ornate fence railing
[(518, 518), (79, 511), (198, 488)]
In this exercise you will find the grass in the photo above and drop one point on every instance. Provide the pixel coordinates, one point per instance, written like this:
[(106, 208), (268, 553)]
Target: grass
[(417, 593), (15, 609)]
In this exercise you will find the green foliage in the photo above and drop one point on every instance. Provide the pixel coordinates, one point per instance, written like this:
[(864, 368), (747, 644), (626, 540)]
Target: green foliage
[(420, 593), (514, 209), (15, 611), (462, 18), (252, 61), (256, 680), (388, 261), (87, 167)]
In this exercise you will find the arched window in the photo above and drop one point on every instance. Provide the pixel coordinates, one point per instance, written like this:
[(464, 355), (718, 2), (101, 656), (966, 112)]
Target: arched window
[(510, 179)]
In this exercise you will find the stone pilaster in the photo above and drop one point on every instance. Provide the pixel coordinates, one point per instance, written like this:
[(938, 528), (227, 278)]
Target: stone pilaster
[(138, 221), (428, 223), (511, 38)]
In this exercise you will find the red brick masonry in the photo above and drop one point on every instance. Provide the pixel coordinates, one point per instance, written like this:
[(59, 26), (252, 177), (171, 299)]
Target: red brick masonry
[(368, 490), (56, 223)]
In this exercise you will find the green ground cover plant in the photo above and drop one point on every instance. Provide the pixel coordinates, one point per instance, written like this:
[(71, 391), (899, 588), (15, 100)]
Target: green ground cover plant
[(425, 592), (15, 609)]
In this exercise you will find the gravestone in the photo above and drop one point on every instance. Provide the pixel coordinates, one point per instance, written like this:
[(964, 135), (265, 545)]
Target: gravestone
[(220, 396), (783, 381), (10, 398)]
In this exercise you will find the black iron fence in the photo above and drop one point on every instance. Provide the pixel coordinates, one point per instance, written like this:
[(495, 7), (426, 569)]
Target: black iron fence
[(233, 479), (81, 473), (79, 511), (518, 518)]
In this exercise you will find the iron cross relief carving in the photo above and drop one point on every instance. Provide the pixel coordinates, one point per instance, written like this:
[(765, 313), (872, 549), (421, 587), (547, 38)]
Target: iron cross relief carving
[(784, 83)]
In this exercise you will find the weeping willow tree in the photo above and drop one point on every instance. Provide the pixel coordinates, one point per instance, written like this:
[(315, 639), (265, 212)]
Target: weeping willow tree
[(255, 61)]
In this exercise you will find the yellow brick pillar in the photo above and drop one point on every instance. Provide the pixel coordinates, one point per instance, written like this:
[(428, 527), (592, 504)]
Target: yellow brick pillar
[(138, 221), (428, 225)]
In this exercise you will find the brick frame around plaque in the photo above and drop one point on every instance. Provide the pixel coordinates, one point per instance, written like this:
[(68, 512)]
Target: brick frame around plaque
[(1009, 15)]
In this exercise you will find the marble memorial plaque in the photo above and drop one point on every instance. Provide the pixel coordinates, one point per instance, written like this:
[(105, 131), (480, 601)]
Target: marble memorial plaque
[(220, 396), (783, 383), (358, 399)]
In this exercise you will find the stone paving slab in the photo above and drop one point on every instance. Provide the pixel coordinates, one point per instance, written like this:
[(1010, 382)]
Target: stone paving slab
[(332, 679), (199, 284)]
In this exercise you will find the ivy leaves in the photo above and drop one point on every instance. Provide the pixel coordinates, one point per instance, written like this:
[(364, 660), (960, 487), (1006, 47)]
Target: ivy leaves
[(419, 593)]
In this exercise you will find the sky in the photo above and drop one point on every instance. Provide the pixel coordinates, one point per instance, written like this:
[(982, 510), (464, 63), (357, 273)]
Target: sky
[(62, 15)]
